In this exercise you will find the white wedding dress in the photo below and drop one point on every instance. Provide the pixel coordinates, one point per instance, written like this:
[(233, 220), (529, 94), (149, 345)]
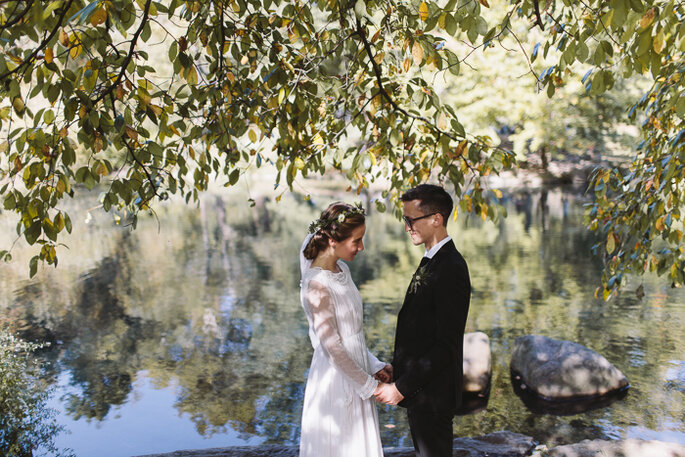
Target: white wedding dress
[(339, 417)]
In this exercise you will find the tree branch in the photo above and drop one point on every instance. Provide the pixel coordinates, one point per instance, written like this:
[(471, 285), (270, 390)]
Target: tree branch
[(129, 56), (42, 45), (19, 17), (538, 18)]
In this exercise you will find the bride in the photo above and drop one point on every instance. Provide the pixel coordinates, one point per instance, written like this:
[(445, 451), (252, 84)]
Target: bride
[(339, 417)]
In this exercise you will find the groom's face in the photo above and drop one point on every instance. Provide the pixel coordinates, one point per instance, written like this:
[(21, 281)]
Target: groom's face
[(422, 228)]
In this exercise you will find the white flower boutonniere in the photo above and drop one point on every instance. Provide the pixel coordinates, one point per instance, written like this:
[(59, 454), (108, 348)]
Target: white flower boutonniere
[(419, 279)]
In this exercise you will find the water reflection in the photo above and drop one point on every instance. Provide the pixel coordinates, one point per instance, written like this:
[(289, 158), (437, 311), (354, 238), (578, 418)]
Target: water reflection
[(207, 306)]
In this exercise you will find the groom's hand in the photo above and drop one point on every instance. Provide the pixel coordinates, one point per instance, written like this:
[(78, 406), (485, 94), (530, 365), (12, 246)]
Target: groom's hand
[(388, 394), (388, 369)]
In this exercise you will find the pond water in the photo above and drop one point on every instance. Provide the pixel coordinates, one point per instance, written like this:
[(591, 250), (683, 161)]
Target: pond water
[(188, 332)]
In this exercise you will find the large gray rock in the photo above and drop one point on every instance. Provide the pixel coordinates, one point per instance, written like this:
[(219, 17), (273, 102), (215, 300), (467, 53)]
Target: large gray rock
[(623, 448), (477, 362), (562, 370), (498, 444)]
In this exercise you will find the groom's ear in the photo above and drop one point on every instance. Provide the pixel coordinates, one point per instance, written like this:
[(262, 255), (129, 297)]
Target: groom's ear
[(438, 220)]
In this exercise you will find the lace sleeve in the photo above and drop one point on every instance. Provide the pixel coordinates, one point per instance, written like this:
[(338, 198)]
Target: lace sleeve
[(326, 328)]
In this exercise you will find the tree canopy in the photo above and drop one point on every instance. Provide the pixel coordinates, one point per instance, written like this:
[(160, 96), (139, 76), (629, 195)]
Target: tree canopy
[(149, 99)]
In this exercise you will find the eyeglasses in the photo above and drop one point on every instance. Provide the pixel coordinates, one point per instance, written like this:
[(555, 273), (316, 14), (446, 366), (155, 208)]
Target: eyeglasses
[(410, 221)]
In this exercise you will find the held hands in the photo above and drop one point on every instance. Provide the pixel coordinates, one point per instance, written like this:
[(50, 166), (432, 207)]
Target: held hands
[(388, 394), (384, 375)]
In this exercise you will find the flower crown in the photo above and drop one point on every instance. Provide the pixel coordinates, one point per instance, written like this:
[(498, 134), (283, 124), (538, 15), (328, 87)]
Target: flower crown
[(334, 222)]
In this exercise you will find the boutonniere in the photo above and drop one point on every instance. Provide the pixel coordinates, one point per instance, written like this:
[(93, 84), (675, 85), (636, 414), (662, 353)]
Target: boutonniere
[(419, 279)]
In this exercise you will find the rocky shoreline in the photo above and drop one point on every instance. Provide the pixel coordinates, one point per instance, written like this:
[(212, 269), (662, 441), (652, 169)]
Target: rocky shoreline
[(498, 444)]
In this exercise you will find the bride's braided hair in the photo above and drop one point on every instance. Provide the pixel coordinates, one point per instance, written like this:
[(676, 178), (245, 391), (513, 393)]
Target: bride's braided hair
[(336, 223)]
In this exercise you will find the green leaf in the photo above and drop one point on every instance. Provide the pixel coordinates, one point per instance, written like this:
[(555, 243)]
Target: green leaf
[(450, 25), (234, 176), (33, 232), (33, 266)]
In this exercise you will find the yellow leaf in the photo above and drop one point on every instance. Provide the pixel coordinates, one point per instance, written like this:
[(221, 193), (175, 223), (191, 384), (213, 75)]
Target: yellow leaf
[(98, 17), (48, 55), (660, 224), (497, 192), (379, 57), (131, 133), (102, 169), (191, 75), (144, 98), (75, 51), (456, 214), (230, 77), (611, 243), (423, 11), (18, 105), (659, 42), (407, 64), (156, 109), (459, 150), (97, 144), (318, 141), (63, 38), (417, 53), (484, 3), (647, 19), (64, 132), (441, 20), (442, 121), (299, 163), (252, 135), (605, 294)]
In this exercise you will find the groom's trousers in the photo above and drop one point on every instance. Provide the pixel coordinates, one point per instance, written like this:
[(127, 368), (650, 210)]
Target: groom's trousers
[(431, 432)]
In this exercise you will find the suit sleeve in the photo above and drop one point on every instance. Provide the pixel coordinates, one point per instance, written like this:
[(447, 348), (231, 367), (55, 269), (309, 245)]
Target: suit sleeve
[(452, 293), (318, 299)]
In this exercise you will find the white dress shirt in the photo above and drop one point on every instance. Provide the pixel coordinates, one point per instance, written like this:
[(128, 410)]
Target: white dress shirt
[(432, 251)]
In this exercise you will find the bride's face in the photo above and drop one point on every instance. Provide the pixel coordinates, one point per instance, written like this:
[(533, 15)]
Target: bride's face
[(348, 248)]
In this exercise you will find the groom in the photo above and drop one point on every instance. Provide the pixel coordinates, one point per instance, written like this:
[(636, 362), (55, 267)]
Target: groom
[(428, 358)]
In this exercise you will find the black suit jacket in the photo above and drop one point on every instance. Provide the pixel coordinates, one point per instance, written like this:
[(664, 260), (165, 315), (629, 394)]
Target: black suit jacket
[(429, 340)]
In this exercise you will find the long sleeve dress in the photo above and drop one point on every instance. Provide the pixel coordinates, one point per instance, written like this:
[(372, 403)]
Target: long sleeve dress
[(339, 417)]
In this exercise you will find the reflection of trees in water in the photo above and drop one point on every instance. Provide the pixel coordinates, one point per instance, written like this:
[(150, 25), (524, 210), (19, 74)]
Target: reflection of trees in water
[(212, 306), (100, 337)]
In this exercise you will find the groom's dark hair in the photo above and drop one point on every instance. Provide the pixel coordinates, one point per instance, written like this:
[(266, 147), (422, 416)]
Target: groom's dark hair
[(434, 199)]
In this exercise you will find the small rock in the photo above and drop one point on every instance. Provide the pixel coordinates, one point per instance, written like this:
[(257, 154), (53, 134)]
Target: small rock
[(622, 448), (477, 362), (563, 370)]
